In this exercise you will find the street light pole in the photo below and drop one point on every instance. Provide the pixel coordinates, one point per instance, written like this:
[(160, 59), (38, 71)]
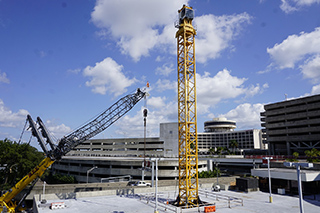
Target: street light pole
[(268, 159), (298, 166), (300, 189), (156, 192), (90, 170), (217, 163)]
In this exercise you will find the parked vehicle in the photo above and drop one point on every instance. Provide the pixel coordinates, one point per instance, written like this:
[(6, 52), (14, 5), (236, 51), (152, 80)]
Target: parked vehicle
[(132, 183), (142, 183)]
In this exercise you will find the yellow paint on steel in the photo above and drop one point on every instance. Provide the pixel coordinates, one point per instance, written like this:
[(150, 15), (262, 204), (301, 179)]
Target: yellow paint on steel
[(187, 110), (6, 199)]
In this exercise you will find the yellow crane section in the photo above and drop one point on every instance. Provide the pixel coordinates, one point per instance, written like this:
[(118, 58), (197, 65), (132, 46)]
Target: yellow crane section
[(187, 110), (67, 143), (6, 200)]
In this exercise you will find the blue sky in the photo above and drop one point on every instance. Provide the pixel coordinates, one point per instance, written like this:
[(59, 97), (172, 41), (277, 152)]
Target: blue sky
[(67, 61)]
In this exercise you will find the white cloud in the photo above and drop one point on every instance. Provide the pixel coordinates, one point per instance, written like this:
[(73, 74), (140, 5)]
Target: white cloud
[(289, 6), (212, 90), (157, 102), (301, 51), (137, 25), (107, 76), (165, 84), (315, 90), (311, 68), (295, 48), (75, 71), (165, 69), (142, 25), (58, 131), (132, 126), (11, 119), (215, 33), (3, 78), (246, 115)]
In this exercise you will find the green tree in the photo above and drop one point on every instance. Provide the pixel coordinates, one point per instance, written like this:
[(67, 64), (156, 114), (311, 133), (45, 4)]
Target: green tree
[(222, 150), (212, 151), (233, 144), (17, 160), (57, 178), (209, 174), (295, 157), (312, 155)]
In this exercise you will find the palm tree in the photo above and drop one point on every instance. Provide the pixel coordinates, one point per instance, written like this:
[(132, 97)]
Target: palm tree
[(234, 144)]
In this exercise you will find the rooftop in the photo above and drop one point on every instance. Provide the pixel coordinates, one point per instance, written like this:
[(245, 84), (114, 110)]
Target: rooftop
[(252, 202)]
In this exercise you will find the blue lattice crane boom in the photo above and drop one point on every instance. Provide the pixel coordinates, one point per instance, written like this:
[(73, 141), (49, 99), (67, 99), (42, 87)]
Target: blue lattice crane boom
[(65, 144)]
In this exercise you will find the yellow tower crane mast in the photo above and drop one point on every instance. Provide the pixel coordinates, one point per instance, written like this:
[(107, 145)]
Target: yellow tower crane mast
[(187, 110)]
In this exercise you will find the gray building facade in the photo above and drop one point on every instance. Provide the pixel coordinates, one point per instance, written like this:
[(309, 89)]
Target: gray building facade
[(124, 156), (292, 125)]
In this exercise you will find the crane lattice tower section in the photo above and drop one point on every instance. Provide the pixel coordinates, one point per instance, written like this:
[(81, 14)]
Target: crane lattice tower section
[(187, 116)]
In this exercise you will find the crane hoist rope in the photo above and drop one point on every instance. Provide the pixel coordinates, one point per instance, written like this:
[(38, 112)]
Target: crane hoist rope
[(66, 144)]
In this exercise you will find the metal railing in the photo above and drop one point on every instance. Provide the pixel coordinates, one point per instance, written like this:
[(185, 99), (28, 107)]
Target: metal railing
[(162, 202), (230, 199), (117, 179)]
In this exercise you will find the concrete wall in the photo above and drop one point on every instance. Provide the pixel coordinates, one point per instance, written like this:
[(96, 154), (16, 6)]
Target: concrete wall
[(169, 134)]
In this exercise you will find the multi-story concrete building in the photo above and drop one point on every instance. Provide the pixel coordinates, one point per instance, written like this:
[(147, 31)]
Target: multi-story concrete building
[(246, 139), (124, 156), (292, 125), (220, 131)]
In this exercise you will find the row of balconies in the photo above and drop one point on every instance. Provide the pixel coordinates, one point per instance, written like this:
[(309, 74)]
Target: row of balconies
[(115, 147), (285, 110), (302, 138), (293, 131), (166, 169), (288, 117), (120, 141), (288, 123), (133, 153)]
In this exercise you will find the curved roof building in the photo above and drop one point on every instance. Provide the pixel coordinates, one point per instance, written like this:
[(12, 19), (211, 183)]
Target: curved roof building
[(219, 125)]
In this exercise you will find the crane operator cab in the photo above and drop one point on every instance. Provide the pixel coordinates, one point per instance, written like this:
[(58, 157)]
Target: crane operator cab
[(186, 13)]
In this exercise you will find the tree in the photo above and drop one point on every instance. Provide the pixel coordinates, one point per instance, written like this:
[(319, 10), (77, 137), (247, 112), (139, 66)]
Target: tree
[(209, 174), (17, 160), (51, 178), (222, 150), (295, 156), (212, 151), (312, 155), (234, 144)]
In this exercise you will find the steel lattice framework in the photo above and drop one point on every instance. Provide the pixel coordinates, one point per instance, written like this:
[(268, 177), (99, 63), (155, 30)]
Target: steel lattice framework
[(187, 116), (100, 123)]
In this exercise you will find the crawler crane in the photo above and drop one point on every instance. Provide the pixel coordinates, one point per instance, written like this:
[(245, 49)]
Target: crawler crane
[(65, 144)]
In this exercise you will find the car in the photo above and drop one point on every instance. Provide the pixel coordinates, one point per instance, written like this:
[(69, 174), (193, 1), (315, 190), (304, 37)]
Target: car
[(132, 183), (216, 188), (142, 183)]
